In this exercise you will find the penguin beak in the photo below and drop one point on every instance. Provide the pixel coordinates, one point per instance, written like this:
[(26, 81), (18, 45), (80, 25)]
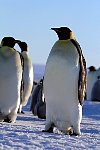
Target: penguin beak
[(17, 41), (55, 29)]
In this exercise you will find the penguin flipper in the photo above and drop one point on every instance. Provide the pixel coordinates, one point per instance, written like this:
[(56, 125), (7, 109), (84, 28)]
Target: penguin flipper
[(82, 82), (22, 81)]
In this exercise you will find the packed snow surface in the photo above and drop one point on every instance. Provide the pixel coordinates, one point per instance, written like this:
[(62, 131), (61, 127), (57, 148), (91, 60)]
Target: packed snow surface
[(26, 133)]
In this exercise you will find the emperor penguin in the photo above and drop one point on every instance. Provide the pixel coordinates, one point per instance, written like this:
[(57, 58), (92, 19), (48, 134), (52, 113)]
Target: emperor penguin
[(91, 79), (36, 95), (95, 93), (40, 107), (27, 74), (64, 84), (97, 72), (10, 80)]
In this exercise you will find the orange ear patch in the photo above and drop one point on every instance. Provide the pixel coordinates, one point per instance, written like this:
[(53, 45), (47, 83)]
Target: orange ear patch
[(72, 35)]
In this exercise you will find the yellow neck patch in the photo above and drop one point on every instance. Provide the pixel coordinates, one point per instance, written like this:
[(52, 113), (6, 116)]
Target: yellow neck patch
[(72, 35)]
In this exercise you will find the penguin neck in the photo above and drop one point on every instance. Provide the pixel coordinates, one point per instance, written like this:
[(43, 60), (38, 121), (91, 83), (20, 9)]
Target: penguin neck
[(24, 54), (65, 50), (60, 46), (6, 51), (60, 43), (91, 72), (91, 75)]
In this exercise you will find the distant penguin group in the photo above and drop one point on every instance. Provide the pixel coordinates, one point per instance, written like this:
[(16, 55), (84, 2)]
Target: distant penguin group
[(12, 73)]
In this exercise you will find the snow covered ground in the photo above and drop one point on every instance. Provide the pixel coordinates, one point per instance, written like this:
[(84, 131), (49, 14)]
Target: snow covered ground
[(27, 133)]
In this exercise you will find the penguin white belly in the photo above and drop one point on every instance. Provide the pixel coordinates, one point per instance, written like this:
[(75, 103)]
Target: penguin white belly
[(10, 82), (28, 81), (61, 89)]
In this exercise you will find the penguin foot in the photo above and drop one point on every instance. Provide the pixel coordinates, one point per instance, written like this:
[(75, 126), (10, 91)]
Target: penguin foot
[(74, 134), (42, 117), (1, 117), (7, 120), (50, 130), (69, 131), (22, 112)]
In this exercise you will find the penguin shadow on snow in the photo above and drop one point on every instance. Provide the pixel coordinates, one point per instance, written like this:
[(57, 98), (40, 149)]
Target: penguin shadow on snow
[(91, 110), (89, 131), (29, 118)]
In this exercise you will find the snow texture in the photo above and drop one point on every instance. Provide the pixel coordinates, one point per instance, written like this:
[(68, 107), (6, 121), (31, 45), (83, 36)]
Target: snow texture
[(27, 133)]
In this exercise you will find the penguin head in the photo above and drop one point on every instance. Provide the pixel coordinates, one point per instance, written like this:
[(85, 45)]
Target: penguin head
[(22, 45), (8, 41), (64, 33), (92, 68)]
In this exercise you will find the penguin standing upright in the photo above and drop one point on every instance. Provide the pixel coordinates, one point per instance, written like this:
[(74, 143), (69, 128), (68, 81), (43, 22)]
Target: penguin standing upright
[(97, 72), (35, 94), (10, 80), (27, 74), (95, 93), (64, 84), (91, 79), (40, 106)]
